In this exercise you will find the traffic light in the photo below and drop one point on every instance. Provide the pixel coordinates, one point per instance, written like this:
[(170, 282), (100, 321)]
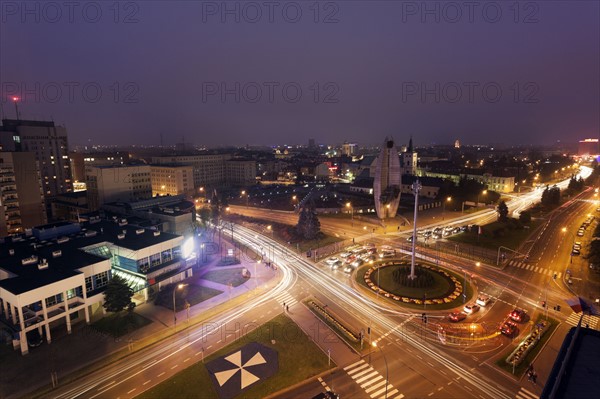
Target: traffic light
[(554, 276), (544, 304), (424, 318), (369, 330), (558, 308)]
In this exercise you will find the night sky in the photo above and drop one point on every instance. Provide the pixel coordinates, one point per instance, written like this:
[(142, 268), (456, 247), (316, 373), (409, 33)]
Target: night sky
[(284, 72)]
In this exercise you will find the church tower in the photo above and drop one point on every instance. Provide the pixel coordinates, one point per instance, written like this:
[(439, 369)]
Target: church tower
[(409, 160)]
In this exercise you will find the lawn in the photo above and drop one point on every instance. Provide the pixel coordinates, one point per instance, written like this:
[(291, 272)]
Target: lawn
[(191, 293), (386, 281), (226, 276), (119, 324), (299, 359), (495, 235)]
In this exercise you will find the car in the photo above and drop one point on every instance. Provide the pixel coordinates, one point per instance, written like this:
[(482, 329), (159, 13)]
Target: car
[(332, 260), (350, 259), (457, 316), (327, 395), (34, 338), (456, 230), (409, 239), (577, 246), (371, 250), (348, 269), (483, 300), (335, 265), (580, 233), (509, 329), (517, 315), (344, 255), (575, 252), (387, 253), (357, 262), (369, 258), (472, 308)]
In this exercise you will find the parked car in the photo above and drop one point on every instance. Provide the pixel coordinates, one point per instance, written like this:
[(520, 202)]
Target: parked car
[(483, 300), (457, 316), (575, 252), (580, 232), (517, 315), (357, 262), (34, 338), (332, 260), (472, 308)]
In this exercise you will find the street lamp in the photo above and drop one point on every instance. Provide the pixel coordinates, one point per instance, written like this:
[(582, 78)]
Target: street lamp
[(386, 367), (448, 199), (349, 205), (484, 192), (179, 286)]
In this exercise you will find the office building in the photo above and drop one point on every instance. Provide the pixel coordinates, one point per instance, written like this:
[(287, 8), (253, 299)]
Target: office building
[(56, 276), (171, 179), (117, 183)]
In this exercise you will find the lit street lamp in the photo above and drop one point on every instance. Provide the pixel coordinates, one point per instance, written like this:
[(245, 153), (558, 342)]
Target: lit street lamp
[(386, 368), (179, 286), (484, 192), (448, 199), (349, 205)]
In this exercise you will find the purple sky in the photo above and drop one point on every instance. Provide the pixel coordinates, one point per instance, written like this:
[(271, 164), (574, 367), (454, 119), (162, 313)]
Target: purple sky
[(376, 68)]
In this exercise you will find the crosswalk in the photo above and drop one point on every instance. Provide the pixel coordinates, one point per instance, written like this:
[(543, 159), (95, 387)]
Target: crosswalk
[(525, 394), (534, 268), (591, 321), (286, 298), (371, 381)]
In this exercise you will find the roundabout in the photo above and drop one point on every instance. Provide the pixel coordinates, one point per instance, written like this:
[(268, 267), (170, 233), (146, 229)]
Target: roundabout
[(433, 285)]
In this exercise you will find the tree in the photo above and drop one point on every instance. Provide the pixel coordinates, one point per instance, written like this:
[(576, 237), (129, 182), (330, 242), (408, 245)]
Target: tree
[(502, 211), (308, 223), (117, 295), (525, 217)]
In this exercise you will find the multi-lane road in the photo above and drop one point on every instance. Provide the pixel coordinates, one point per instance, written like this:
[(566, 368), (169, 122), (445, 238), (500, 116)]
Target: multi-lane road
[(409, 359)]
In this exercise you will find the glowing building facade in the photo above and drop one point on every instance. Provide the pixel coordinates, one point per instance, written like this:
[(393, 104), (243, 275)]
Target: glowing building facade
[(386, 186)]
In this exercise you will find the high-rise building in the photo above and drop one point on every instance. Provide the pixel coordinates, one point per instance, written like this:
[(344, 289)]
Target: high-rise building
[(171, 179), (51, 148), (117, 183), (21, 199), (386, 185)]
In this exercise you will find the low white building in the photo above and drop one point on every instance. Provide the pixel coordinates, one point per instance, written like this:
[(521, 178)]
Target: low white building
[(57, 275)]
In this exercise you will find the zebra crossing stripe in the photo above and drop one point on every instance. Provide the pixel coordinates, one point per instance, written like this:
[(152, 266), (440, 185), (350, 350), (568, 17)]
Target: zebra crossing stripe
[(382, 390), (366, 377), (374, 387), (525, 394), (353, 365), (358, 369), (393, 392), (372, 381), (354, 377)]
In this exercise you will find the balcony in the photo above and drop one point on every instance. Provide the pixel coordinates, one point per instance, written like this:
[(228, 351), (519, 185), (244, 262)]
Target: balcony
[(11, 201), (9, 191)]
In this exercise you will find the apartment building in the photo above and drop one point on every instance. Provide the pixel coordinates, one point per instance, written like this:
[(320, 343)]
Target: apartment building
[(21, 197)]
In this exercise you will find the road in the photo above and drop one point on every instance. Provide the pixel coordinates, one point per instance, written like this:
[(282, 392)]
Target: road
[(419, 363)]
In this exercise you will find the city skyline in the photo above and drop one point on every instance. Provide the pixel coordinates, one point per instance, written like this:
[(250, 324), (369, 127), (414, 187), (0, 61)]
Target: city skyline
[(340, 71)]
